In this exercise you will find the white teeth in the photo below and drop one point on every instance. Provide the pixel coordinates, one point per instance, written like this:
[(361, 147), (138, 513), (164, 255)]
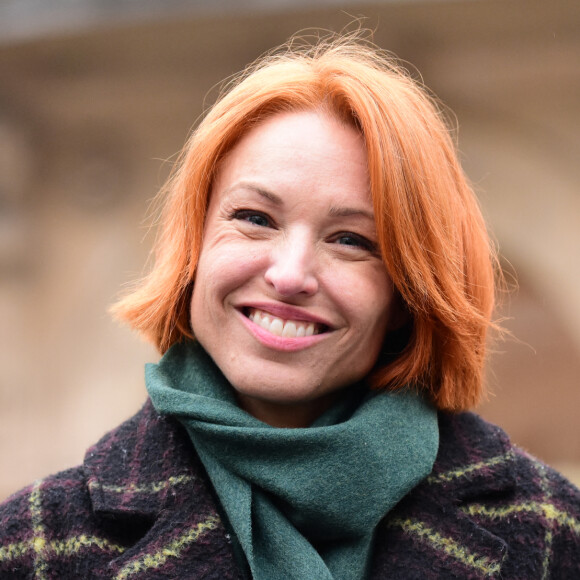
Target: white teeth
[(289, 330), (279, 327)]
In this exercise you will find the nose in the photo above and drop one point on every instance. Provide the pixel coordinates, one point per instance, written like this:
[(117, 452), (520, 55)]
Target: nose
[(293, 267)]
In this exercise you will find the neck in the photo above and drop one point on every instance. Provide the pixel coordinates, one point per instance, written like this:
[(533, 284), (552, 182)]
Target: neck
[(286, 415)]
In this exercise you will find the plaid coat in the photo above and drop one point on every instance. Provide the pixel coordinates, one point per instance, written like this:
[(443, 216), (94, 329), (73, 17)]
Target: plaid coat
[(141, 506)]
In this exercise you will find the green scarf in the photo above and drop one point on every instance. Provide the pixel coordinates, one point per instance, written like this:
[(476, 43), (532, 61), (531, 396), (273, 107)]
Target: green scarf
[(303, 503)]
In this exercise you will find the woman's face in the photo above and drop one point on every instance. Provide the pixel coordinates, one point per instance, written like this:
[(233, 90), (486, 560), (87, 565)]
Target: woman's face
[(291, 298)]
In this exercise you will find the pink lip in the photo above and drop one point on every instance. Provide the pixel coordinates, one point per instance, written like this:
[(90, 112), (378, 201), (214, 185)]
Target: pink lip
[(282, 343)]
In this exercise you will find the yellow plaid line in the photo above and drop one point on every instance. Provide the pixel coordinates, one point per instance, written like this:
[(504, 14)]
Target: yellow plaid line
[(42, 548), (38, 541), (546, 509), (468, 469), (14, 551), (146, 488), (447, 545), (547, 555), (75, 544), (171, 550), (67, 547)]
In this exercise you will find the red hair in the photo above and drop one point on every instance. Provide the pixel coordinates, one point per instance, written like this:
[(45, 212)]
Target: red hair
[(430, 229)]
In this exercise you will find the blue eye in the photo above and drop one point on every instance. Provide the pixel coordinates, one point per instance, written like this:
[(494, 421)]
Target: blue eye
[(348, 241), (356, 241), (258, 220), (254, 217)]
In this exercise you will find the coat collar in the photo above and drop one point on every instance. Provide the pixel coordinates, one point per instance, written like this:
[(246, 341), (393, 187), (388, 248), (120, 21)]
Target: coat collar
[(147, 467), (140, 465), (147, 479), (475, 460)]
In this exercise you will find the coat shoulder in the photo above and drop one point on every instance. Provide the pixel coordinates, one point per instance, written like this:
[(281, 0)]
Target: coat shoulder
[(488, 510), (140, 503), (55, 527), (49, 521)]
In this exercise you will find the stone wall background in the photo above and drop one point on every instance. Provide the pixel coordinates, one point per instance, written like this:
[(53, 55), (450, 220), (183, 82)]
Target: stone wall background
[(94, 108)]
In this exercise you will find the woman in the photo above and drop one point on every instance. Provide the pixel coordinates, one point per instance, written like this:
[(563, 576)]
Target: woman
[(322, 290)]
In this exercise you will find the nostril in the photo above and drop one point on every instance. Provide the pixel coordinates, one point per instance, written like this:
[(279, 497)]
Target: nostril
[(291, 282)]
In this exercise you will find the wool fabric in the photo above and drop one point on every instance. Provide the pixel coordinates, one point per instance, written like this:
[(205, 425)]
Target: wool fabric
[(303, 503), (141, 507)]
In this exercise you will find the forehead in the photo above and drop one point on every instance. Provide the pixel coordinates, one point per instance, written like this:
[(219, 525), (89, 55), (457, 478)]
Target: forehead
[(309, 150), (310, 127)]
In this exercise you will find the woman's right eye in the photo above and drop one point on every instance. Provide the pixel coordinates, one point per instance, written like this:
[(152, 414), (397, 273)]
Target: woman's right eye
[(254, 217)]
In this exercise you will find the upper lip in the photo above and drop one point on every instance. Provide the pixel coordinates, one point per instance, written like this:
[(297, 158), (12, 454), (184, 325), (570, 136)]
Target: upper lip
[(286, 312)]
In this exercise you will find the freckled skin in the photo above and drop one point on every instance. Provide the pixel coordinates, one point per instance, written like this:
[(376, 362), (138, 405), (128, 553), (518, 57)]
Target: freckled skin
[(290, 223)]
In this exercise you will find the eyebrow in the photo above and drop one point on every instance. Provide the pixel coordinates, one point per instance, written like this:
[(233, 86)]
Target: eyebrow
[(275, 199), (335, 211), (350, 211)]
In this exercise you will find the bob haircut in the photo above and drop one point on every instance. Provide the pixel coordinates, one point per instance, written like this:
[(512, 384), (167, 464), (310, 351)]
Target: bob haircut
[(431, 233)]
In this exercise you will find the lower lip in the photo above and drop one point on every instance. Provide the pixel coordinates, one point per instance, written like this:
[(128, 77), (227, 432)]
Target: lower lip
[(283, 343)]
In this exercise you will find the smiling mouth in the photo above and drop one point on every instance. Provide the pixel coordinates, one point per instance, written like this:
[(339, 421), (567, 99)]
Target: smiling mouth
[(281, 327)]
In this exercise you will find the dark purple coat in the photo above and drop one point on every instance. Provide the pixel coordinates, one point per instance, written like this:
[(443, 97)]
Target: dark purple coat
[(141, 506)]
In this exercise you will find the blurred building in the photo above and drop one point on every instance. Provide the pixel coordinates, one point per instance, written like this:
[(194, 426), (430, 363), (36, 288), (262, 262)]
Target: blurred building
[(97, 97)]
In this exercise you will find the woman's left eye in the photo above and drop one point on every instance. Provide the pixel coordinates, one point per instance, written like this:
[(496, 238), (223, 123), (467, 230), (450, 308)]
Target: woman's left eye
[(355, 241)]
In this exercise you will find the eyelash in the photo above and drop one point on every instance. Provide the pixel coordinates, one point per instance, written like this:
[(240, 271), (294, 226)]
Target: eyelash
[(246, 214), (361, 241)]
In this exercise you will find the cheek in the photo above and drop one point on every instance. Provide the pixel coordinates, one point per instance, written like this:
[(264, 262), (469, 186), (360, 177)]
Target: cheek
[(378, 314), (196, 311), (368, 298), (222, 269)]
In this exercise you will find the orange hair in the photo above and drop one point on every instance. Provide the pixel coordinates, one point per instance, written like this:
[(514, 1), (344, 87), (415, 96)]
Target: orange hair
[(430, 229)]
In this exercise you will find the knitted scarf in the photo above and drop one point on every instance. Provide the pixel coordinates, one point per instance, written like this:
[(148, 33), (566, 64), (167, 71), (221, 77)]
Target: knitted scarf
[(303, 503)]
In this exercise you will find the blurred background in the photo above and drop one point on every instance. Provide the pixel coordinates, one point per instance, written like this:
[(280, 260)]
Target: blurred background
[(96, 98)]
